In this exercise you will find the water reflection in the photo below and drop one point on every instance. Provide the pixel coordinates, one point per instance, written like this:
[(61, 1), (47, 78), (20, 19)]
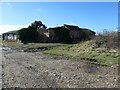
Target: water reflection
[(91, 68)]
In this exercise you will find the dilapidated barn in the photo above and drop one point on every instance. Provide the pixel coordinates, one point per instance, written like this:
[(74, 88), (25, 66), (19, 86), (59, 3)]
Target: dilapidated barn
[(61, 34), (70, 33)]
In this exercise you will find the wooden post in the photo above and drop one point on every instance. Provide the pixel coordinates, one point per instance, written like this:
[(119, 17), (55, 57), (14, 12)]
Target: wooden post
[(13, 37), (7, 36)]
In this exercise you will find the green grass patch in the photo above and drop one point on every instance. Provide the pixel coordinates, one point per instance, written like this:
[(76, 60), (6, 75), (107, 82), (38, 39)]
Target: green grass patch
[(18, 44), (0, 38), (86, 50), (0, 42)]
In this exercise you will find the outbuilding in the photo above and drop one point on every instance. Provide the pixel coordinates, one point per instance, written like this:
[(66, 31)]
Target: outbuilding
[(11, 35)]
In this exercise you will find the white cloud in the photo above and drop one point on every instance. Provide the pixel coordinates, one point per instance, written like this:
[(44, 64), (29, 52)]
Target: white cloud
[(117, 30), (70, 23), (6, 28)]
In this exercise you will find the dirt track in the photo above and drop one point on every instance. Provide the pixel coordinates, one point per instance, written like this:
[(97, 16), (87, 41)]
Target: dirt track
[(36, 70)]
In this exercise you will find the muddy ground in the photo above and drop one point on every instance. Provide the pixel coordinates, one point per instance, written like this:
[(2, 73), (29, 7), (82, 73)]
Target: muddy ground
[(27, 69)]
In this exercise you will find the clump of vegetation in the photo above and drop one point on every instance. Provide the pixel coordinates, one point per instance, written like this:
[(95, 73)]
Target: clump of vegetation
[(103, 49), (30, 34), (19, 44), (62, 34), (108, 39), (27, 34)]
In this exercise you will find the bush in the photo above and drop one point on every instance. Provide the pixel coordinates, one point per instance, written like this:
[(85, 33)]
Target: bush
[(27, 34), (30, 34), (62, 34), (107, 39)]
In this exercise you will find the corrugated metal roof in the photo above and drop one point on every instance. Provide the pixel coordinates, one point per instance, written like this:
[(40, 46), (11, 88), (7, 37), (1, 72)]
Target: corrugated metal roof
[(11, 32)]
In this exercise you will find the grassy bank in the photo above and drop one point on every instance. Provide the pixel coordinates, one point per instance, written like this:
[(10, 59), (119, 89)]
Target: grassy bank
[(86, 50), (83, 50)]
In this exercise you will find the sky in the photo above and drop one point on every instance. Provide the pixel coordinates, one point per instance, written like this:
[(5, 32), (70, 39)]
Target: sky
[(96, 16)]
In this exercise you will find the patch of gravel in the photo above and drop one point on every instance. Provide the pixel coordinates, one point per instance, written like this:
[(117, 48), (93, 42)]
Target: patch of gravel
[(36, 70)]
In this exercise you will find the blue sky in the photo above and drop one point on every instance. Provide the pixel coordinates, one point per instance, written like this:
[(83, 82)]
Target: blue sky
[(93, 15)]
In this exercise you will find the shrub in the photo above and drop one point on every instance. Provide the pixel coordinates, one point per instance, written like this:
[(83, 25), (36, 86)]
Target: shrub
[(62, 34), (27, 34), (107, 39)]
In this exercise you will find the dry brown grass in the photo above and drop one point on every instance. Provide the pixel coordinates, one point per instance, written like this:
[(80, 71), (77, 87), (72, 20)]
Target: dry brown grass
[(107, 39)]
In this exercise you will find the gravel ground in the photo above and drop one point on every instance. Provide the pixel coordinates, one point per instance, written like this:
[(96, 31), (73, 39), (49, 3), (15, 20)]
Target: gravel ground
[(36, 70)]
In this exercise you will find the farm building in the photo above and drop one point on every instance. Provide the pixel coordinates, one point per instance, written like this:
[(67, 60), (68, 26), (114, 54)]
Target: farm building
[(70, 33), (62, 34), (11, 35)]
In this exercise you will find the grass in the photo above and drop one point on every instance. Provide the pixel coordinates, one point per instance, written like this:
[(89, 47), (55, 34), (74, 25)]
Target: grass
[(18, 44), (86, 49), (0, 42)]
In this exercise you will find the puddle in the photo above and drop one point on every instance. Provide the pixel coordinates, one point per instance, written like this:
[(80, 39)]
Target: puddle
[(91, 68), (5, 48)]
